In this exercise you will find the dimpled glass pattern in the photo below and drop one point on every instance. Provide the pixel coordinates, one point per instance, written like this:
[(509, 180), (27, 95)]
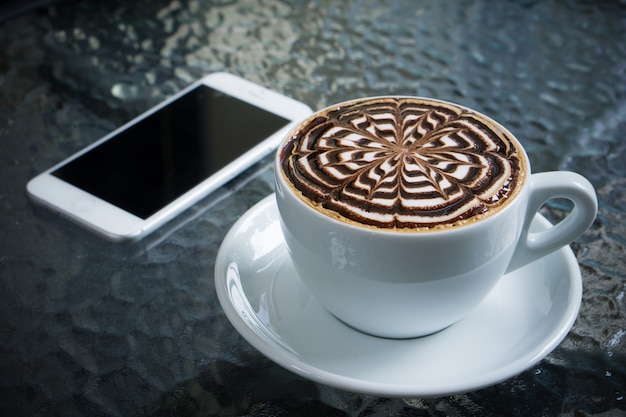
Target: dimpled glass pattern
[(89, 329)]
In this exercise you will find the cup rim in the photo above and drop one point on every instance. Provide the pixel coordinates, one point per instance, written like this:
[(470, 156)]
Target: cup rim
[(279, 175)]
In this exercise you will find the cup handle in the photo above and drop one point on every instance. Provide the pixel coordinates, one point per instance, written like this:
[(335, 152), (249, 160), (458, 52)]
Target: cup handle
[(546, 186)]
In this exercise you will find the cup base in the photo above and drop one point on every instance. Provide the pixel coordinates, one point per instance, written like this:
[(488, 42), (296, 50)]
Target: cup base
[(395, 336)]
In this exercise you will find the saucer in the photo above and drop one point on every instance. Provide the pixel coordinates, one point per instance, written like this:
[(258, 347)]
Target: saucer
[(522, 320)]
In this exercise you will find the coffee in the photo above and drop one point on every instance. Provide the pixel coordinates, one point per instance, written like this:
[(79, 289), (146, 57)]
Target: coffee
[(403, 163)]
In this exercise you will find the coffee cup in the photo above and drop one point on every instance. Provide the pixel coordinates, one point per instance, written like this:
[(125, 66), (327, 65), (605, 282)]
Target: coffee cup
[(400, 214)]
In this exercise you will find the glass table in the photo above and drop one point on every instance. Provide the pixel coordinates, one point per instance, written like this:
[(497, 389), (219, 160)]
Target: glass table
[(89, 328)]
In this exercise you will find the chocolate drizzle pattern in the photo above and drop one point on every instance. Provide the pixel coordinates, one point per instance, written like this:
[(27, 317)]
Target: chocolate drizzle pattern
[(403, 163)]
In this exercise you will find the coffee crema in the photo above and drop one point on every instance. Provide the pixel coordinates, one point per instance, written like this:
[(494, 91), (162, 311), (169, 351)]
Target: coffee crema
[(403, 163)]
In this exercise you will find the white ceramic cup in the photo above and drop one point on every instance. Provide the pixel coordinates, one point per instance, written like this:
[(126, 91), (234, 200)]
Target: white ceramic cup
[(402, 285)]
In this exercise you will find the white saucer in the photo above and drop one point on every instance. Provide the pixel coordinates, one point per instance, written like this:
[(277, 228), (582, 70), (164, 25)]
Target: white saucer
[(522, 320)]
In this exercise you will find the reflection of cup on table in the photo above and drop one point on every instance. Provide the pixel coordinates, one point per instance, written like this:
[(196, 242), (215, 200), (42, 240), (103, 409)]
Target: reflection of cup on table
[(401, 213)]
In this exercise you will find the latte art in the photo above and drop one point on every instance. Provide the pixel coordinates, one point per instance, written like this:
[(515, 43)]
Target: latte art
[(403, 163)]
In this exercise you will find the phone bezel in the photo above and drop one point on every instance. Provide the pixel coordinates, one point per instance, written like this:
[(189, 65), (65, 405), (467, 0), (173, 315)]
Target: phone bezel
[(118, 225)]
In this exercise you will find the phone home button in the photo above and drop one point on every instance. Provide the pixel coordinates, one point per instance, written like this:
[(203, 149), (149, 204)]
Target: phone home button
[(82, 204)]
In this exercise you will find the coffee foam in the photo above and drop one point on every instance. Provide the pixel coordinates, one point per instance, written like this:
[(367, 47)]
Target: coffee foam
[(403, 163)]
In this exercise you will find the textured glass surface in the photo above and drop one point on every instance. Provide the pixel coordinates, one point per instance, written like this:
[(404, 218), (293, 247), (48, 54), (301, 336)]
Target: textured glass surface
[(89, 328)]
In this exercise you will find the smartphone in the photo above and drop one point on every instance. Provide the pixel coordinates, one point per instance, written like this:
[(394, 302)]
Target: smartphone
[(143, 174)]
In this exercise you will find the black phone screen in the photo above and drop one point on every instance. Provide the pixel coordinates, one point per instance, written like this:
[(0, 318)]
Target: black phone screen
[(158, 159)]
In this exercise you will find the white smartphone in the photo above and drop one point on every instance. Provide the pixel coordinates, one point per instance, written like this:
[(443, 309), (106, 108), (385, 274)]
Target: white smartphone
[(143, 174)]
